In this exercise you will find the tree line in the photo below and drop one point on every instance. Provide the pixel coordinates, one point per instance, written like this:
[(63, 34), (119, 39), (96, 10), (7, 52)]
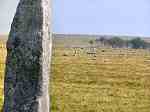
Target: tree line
[(116, 42)]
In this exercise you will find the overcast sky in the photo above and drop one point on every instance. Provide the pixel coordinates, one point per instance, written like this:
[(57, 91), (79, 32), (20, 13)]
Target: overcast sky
[(123, 17)]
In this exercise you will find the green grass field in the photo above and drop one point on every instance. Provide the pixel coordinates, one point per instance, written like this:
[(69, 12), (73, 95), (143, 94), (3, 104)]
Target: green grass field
[(116, 80)]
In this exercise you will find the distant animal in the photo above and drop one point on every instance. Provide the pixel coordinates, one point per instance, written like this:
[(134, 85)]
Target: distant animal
[(103, 50), (91, 53)]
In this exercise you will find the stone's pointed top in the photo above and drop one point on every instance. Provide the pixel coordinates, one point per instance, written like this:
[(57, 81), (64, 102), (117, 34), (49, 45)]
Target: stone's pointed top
[(28, 58), (31, 16)]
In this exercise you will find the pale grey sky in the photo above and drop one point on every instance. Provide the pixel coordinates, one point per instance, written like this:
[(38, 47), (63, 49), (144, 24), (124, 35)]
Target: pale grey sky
[(7, 10), (123, 17)]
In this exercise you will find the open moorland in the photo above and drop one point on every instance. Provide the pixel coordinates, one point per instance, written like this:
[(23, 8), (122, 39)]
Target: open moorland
[(99, 80)]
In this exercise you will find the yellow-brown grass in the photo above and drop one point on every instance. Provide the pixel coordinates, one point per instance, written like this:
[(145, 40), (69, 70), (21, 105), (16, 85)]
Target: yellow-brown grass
[(3, 54), (116, 80)]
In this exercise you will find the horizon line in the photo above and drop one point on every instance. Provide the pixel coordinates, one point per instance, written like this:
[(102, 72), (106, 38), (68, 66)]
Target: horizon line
[(90, 34)]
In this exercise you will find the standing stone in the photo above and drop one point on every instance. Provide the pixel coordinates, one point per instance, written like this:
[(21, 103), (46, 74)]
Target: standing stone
[(28, 58)]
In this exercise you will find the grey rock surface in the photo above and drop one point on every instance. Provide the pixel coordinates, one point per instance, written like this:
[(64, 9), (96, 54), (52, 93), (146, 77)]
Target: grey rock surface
[(28, 59)]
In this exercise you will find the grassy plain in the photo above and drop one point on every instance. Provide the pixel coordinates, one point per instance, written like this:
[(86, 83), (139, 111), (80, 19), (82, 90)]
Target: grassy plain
[(116, 80), (3, 54)]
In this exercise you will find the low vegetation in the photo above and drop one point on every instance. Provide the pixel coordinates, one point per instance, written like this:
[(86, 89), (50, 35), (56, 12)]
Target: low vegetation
[(112, 80), (2, 70), (116, 80)]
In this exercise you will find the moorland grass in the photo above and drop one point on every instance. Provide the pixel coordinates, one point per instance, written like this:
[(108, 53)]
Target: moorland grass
[(116, 80)]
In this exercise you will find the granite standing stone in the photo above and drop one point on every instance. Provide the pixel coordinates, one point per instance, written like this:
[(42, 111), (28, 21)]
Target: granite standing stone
[(28, 58)]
